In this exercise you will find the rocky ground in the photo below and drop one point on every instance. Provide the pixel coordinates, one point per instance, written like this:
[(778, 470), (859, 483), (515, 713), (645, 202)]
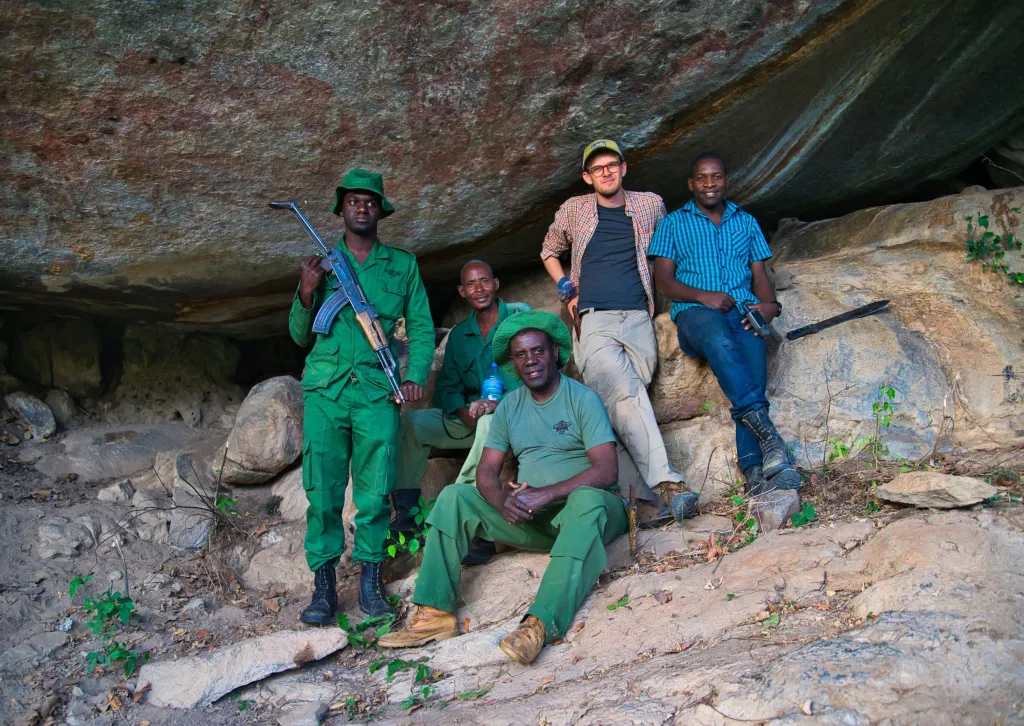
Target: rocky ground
[(867, 614)]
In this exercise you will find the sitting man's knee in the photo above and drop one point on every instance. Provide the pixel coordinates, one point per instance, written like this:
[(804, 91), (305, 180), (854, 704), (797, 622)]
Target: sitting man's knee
[(454, 492), (584, 499)]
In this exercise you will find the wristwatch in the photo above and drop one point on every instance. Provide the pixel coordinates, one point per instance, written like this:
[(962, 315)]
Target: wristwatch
[(778, 305)]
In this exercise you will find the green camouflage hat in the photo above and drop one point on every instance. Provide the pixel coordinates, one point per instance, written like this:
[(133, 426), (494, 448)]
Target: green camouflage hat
[(363, 181), (527, 320)]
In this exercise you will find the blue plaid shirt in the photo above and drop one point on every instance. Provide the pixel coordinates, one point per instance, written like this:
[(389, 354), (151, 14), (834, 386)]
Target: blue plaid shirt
[(711, 257)]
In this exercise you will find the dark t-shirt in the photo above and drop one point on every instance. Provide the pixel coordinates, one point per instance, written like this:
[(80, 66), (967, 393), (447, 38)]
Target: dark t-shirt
[(609, 278)]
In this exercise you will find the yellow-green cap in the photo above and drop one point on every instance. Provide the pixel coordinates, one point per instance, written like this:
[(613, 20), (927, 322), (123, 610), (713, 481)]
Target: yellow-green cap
[(600, 145)]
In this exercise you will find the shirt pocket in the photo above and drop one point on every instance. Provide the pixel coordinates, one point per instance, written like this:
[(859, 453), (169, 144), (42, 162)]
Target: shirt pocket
[(390, 300), (321, 363)]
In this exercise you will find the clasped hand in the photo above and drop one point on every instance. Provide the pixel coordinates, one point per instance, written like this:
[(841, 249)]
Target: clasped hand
[(523, 502)]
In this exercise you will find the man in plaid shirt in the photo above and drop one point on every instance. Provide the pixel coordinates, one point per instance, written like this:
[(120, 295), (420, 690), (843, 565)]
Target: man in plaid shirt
[(610, 295), (709, 260)]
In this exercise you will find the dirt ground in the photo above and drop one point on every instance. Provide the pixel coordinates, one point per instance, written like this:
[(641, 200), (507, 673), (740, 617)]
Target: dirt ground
[(191, 602)]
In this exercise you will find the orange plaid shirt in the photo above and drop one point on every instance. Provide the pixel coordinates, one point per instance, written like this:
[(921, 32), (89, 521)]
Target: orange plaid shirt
[(575, 224)]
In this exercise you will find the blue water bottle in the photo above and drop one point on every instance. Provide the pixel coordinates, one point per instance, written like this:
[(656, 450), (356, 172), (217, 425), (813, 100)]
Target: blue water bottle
[(492, 387)]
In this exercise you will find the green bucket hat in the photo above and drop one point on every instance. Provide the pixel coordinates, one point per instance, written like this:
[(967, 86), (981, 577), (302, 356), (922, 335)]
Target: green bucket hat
[(531, 319), (363, 181)]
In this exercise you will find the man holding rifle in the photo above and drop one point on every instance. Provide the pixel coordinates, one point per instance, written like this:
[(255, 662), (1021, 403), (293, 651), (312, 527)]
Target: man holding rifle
[(351, 413)]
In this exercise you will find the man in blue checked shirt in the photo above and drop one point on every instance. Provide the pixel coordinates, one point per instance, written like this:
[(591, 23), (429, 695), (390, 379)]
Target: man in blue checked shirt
[(709, 260)]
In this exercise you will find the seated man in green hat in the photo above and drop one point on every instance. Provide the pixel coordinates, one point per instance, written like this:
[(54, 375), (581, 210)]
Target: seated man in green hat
[(463, 414), (566, 501), (350, 414)]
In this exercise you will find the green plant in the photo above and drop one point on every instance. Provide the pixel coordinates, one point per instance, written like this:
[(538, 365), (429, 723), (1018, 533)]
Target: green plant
[(989, 248), (871, 508), (744, 522), (707, 406), (355, 634), (806, 514), (110, 612), (622, 602), (883, 410), (226, 506), (412, 544), (474, 695)]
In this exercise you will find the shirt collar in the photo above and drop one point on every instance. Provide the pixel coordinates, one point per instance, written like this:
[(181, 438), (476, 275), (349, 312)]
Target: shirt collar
[(692, 208), (629, 203), (474, 326), (379, 252)]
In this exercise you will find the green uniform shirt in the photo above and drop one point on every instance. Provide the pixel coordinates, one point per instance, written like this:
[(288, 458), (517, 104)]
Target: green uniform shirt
[(551, 439), (390, 278), (467, 361)]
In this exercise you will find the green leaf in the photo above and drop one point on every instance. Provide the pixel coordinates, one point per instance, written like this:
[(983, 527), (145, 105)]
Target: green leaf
[(474, 695), (392, 551), (414, 546), (401, 538), (729, 596), (737, 499), (343, 623), (624, 600), (422, 674), (772, 621), (983, 221), (806, 514)]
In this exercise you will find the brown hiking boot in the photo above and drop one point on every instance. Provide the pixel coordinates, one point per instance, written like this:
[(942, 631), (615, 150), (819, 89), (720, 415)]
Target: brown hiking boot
[(427, 624), (524, 643)]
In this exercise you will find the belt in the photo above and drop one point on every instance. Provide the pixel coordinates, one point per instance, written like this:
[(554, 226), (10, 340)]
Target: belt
[(585, 311)]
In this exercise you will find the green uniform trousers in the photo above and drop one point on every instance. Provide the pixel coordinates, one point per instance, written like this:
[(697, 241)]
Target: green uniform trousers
[(429, 427), (575, 532), (352, 430)]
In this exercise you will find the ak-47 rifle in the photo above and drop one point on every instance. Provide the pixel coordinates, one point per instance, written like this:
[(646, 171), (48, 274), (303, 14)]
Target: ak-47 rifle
[(347, 291)]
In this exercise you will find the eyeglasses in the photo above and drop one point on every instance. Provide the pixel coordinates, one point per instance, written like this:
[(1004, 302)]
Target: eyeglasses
[(602, 169)]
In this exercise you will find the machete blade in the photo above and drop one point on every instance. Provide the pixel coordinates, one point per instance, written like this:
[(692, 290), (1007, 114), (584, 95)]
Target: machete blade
[(861, 312)]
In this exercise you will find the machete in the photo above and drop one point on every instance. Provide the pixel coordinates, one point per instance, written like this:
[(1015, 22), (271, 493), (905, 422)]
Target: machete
[(861, 312)]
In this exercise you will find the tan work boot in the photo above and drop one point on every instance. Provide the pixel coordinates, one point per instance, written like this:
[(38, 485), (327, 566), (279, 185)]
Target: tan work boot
[(524, 643), (427, 624)]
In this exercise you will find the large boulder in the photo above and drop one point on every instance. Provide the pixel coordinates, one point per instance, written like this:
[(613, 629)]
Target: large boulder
[(34, 415), (935, 490), (267, 436), (805, 99), (949, 345)]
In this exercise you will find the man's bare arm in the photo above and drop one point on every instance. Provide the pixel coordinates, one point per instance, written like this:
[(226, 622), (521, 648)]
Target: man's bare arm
[(487, 481), (763, 288)]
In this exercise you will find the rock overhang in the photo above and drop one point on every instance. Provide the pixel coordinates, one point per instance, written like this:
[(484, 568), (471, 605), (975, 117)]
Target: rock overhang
[(142, 159)]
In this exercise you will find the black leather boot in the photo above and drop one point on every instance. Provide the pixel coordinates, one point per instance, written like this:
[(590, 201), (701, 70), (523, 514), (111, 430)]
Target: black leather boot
[(773, 449), (373, 599), (403, 520), (480, 552), (323, 610)]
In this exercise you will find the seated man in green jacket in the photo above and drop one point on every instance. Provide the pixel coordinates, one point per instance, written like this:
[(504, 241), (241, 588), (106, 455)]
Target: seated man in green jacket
[(350, 415), (566, 501), (462, 417)]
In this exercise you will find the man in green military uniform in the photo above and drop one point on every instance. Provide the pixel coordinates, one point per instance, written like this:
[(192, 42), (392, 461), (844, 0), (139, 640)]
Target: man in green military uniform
[(566, 501), (351, 416), (462, 418)]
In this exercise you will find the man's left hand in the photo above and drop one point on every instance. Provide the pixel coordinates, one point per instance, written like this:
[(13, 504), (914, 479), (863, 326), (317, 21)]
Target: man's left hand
[(533, 499), (412, 391), (769, 311)]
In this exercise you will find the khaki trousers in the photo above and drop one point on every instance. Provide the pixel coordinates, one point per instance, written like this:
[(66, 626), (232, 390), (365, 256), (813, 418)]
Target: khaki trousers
[(617, 354)]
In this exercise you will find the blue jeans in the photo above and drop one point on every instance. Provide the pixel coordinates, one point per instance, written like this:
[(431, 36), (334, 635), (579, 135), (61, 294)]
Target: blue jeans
[(738, 359)]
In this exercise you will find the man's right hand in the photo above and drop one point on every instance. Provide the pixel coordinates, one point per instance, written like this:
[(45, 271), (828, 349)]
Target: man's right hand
[(720, 301), (312, 276)]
